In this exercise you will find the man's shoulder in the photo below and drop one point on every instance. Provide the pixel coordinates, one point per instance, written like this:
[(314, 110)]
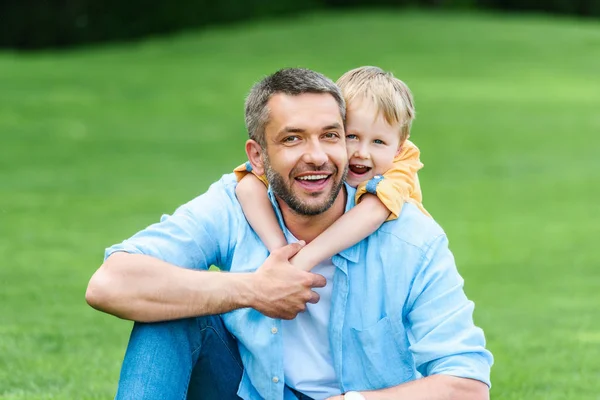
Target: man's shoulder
[(413, 227), (220, 194)]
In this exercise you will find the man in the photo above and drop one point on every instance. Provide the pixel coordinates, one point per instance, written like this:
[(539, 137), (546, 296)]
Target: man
[(391, 307)]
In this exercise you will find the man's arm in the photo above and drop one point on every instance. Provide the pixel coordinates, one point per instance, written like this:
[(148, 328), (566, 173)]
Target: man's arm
[(161, 272), (445, 340), (146, 289), (448, 349), (436, 387)]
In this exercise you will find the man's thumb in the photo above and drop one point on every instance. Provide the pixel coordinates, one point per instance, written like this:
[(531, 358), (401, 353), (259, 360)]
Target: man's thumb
[(291, 249)]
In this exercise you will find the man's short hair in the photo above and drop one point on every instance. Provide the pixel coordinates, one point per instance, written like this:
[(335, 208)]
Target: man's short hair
[(290, 81), (391, 97)]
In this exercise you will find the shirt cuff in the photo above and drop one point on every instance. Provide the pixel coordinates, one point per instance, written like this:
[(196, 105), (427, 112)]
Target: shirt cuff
[(372, 184), (467, 365), (120, 248)]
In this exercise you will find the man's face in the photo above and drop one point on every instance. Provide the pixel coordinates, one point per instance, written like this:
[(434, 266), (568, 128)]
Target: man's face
[(372, 143), (305, 159)]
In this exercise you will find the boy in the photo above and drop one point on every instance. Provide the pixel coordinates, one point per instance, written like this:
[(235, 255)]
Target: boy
[(383, 167)]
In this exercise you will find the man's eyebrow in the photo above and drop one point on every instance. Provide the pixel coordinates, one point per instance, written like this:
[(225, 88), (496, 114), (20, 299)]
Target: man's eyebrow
[(291, 129), (332, 126)]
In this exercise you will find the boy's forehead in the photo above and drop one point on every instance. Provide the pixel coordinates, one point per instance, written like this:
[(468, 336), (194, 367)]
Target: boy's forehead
[(365, 109)]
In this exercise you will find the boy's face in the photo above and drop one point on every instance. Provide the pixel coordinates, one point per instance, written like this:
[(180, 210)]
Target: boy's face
[(371, 142)]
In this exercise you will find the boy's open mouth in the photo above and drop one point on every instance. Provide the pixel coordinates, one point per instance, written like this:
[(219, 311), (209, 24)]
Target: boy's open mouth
[(358, 169)]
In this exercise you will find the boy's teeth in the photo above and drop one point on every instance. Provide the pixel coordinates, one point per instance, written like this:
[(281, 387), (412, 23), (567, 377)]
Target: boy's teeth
[(359, 169), (312, 177)]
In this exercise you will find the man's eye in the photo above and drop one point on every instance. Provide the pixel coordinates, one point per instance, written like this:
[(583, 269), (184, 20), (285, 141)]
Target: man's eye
[(290, 139), (331, 135), (351, 137), (378, 141)]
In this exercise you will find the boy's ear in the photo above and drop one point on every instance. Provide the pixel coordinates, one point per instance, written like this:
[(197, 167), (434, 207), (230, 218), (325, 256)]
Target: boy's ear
[(399, 148), (254, 153)]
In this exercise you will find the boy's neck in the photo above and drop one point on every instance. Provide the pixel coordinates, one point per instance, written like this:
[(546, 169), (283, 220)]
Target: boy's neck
[(308, 227)]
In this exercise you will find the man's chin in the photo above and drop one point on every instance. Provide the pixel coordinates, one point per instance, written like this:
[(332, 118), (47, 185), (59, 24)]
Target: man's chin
[(315, 203)]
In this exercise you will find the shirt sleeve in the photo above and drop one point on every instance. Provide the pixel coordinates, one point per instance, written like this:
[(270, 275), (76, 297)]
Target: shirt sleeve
[(440, 318), (399, 184), (198, 234), (246, 168)]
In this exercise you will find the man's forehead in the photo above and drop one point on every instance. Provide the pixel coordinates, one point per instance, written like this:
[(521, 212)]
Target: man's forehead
[(304, 109)]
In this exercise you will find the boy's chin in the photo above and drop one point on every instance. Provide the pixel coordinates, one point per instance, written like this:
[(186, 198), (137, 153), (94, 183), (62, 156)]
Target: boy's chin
[(354, 181)]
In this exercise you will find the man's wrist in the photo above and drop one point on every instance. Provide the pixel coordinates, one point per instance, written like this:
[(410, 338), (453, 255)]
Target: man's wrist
[(245, 295)]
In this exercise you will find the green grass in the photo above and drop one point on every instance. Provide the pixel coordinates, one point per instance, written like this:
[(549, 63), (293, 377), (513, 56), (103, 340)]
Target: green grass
[(97, 143)]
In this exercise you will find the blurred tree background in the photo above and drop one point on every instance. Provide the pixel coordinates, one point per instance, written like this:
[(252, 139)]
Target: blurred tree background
[(35, 24)]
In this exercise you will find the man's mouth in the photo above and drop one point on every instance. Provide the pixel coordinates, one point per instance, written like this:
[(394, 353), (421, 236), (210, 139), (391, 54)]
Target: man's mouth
[(358, 169), (313, 182)]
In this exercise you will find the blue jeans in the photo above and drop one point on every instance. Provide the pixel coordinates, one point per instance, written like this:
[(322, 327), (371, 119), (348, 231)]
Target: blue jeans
[(193, 358)]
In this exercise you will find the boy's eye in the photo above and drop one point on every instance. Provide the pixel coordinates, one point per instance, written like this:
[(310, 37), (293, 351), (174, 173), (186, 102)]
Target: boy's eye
[(378, 141), (351, 137)]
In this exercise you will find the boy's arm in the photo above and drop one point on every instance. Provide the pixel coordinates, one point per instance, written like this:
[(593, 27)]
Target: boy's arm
[(349, 229), (253, 198)]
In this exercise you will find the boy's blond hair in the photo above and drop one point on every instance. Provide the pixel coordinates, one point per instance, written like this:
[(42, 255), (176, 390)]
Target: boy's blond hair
[(390, 95)]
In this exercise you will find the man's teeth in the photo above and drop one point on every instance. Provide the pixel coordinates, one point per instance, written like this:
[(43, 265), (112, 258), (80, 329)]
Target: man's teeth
[(312, 177)]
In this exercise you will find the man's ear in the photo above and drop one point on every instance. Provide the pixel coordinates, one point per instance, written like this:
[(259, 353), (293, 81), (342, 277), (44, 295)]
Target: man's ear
[(254, 153)]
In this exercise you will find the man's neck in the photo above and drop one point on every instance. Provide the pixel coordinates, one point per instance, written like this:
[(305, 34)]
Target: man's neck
[(308, 227)]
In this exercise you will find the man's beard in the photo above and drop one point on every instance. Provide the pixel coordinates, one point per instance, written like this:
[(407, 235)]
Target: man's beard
[(285, 193)]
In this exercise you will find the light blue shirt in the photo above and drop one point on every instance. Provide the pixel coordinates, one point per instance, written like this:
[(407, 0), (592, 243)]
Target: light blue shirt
[(398, 310), (307, 361)]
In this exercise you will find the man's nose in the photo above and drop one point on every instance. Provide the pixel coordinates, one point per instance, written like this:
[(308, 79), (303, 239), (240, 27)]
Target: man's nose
[(315, 154)]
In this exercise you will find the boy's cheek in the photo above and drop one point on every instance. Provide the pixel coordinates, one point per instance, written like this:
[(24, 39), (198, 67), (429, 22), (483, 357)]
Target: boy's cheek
[(349, 149)]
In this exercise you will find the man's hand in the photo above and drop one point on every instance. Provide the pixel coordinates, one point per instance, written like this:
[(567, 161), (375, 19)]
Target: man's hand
[(279, 290)]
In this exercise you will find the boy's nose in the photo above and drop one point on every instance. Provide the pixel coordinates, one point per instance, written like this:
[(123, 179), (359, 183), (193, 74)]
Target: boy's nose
[(361, 152)]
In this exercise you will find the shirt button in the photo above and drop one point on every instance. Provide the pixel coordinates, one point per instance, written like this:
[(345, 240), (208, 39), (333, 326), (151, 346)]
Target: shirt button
[(273, 330), (275, 379)]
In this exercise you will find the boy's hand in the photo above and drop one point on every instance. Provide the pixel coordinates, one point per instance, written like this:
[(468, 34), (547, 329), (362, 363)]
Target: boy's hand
[(279, 290)]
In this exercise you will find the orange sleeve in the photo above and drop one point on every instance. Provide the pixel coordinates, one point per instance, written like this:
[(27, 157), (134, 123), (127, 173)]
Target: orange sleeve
[(246, 168), (399, 184)]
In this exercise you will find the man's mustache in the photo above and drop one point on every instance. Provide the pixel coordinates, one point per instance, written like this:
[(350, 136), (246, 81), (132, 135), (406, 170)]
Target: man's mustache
[(326, 168)]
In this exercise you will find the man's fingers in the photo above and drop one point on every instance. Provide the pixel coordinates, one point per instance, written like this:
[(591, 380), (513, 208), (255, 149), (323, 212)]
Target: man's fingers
[(314, 297), (291, 249), (318, 280)]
